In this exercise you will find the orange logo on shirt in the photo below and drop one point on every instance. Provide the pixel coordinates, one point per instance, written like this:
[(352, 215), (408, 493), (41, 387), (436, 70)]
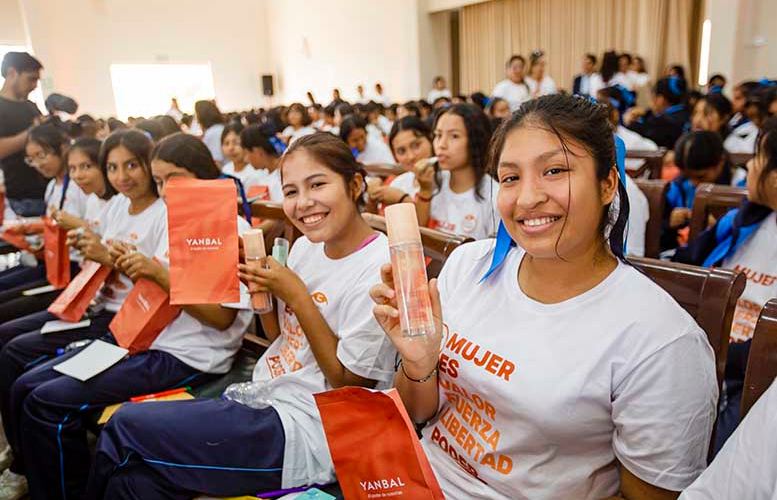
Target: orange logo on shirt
[(469, 224), (133, 236), (320, 298)]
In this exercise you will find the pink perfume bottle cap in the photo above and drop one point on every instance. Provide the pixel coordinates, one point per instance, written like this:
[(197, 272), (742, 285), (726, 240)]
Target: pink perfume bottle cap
[(402, 223), (253, 243)]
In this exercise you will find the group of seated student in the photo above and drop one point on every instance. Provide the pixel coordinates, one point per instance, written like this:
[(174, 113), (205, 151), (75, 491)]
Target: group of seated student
[(537, 186)]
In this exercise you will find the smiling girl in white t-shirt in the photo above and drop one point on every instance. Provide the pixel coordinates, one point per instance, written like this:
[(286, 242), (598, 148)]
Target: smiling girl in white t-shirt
[(323, 336), (564, 372), (458, 196)]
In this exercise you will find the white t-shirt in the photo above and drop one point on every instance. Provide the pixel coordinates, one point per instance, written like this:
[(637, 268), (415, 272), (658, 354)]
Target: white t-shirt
[(340, 289), (514, 93), (375, 152), (75, 199), (75, 204), (463, 213), (640, 79), (742, 139), (296, 134), (212, 139), (385, 124), (634, 141), (591, 84), (271, 180), (623, 79), (95, 206), (639, 214), (757, 259), (406, 182), (541, 401), (547, 85), (435, 94), (200, 346), (746, 467), (145, 230)]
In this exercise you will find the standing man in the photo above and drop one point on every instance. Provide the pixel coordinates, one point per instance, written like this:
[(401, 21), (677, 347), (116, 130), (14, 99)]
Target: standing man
[(513, 89), (588, 83), (23, 184)]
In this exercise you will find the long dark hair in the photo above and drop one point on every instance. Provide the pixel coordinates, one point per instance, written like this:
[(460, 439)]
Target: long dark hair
[(186, 151), (91, 148), (208, 114), (609, 65), (49, 137), (478, 135), (573, 118), (766, 145), (136, 143)]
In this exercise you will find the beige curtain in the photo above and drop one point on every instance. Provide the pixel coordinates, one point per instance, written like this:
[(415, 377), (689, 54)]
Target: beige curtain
[(661, 31)]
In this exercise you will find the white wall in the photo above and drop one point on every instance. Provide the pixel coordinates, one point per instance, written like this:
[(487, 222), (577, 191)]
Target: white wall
[(11, 23), (78, 40), (320, 45)]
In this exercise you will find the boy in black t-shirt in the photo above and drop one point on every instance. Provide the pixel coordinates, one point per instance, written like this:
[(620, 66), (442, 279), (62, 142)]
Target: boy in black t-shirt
[(23, 184)]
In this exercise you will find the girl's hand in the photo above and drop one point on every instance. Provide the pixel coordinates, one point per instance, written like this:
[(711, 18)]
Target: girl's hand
[(679, 217), (136, 265), (67, 221), (419, 354), (119, 248), (424, 175), (388, 195), (274, 278), (89, 245)]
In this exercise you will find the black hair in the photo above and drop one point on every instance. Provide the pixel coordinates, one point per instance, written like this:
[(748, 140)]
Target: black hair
[(478, 128), (591, 58), (609, 65), (441, 99), (253, 136), (479, 98), (766, 146), (136, 143), (748, 87), (491, 104), (22, 62), (298, 107), (50, 137), (186, 151), (91, 148), (235, 127), (534, 58), (414, 125), (720, 104), (437, 79), (672, 88), (413, 108), (626, 55), (153, 128), (718, 76), (679, 70), (641, 63), (331, 152), (351, 123), (573, 118), (168, 124), (207, 114), (344, 109), (513, 58), (115, 124), (699, 150)]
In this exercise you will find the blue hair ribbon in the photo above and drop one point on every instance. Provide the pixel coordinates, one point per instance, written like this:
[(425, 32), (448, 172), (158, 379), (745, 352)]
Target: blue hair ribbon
[(504, 242), (355, 152), (277, 145), (674, 85), (243, 198)]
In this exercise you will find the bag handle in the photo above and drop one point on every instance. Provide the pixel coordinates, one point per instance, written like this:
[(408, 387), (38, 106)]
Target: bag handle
[(65, 184), (244, 199)]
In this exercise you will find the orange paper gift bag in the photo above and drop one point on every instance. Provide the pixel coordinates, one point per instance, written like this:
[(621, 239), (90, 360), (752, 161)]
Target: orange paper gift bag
[(74, 300), (202, 232), (144, 314), (374, 447), (56, 254)]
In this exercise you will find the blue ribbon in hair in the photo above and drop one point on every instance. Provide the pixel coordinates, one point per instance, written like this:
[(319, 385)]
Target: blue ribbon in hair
[(504, 242), (277, 145), (674, 85)]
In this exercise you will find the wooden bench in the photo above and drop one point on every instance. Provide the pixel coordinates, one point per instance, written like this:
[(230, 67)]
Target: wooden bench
[(654, 160), (437, 245), (762, 361), (384, 170), (713, 200), (740, 159), (655, 192)]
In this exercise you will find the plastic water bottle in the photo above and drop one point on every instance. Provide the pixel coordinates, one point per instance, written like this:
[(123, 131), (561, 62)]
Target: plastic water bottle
[(74, 345), (251, 394)]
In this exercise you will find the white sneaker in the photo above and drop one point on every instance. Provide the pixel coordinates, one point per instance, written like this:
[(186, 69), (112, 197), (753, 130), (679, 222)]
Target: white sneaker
[(6, 457), (12, 486)]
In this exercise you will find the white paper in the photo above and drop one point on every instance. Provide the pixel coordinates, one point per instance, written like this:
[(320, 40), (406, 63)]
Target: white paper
[(61, 326), (38, 291), (95, 358)]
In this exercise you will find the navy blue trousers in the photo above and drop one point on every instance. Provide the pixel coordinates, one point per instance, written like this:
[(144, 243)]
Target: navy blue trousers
[(54, 408), (28, 349), (175, 450), (731, 395), (23, 276)]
